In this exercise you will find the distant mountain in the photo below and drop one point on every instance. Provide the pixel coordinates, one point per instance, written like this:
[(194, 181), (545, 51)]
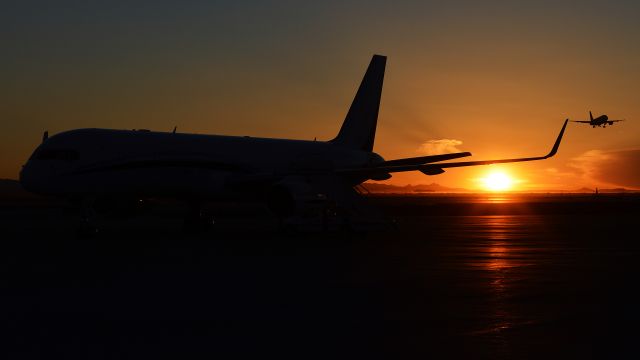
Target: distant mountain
[(8, 185), (584, 190), (410, 189), (617, 191), (606, 191), (379, 188), (11, 189)]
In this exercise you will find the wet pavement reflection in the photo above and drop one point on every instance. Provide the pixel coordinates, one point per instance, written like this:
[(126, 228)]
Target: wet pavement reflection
[(503, 248), (478, 276), (520, 286)]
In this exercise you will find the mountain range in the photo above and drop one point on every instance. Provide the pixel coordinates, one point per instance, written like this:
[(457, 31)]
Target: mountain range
[(11, 189)]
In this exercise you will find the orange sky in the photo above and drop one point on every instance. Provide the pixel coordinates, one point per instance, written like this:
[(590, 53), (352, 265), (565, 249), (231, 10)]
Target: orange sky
[(497, 79)]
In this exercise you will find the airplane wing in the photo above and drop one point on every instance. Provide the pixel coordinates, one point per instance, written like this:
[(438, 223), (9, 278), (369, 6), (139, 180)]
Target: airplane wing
[(614, 120), (434, 169), (424, 159), (579, 121)]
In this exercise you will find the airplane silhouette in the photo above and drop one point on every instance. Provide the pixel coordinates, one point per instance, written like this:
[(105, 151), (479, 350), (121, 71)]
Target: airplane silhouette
[(602, 120), (120, 167)]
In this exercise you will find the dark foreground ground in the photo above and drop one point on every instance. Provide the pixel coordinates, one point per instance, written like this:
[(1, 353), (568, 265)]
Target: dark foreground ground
[(461, 277)]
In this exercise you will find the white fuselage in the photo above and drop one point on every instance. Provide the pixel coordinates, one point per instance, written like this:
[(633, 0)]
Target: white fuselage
[(99, 162)]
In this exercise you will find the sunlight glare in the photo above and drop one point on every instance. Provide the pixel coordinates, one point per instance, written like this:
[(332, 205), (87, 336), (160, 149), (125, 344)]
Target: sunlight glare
[(497, 181)]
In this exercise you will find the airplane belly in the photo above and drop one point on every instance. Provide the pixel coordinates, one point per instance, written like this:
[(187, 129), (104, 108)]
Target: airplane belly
[(153, 182)]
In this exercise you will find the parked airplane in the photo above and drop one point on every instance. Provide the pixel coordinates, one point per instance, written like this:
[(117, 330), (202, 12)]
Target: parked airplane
[(103, 166), (602, 120)]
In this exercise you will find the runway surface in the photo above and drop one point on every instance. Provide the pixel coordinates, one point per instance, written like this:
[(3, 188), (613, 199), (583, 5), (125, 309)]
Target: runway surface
[(462, 276)]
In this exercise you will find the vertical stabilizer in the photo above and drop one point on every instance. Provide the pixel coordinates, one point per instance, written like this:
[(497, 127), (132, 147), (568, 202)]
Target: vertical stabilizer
[(590, 116), (358, 130)]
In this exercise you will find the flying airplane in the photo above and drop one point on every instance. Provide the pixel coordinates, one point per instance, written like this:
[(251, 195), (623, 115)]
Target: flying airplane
[(602, 120), (98, 168)]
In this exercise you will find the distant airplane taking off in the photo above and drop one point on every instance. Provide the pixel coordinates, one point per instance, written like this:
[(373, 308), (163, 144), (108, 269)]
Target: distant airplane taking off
[(98, 168), (602, 120)]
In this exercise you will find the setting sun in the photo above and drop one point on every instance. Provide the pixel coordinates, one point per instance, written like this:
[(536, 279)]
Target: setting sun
[(497, 181)]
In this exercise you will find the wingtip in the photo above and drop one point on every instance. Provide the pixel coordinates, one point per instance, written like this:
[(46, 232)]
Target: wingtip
[(556, 145)]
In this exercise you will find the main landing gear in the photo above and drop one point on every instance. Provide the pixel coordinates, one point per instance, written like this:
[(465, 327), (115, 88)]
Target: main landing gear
[(87, 226)]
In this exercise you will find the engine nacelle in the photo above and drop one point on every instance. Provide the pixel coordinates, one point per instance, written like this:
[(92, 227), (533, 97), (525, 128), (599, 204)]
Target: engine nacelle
[(432, 171), (294, 196), (380, 176)]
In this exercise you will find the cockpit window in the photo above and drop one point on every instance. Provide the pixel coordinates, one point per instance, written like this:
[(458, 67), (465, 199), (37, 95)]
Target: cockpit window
[(57, 154)]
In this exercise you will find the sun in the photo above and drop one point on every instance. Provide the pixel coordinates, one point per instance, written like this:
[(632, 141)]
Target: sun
[(497, 181)]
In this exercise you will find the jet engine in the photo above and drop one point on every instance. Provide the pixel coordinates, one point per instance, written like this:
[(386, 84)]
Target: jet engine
[(294, 195)]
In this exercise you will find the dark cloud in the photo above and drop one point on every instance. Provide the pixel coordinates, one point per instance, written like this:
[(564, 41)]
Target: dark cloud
[(611, 167)]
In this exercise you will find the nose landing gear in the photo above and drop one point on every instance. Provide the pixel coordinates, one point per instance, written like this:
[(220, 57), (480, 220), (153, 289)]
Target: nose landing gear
[(86, 227)]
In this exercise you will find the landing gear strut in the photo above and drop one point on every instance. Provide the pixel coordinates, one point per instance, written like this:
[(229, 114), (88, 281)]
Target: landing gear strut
[(87, 227)]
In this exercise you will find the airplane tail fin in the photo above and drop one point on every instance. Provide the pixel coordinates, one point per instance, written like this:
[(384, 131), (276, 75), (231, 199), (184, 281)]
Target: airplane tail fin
[(590, 116), (358, 130)]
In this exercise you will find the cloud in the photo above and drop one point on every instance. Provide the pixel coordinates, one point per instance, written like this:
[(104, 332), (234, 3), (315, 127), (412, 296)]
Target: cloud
[(440, 146), (610, 167)]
